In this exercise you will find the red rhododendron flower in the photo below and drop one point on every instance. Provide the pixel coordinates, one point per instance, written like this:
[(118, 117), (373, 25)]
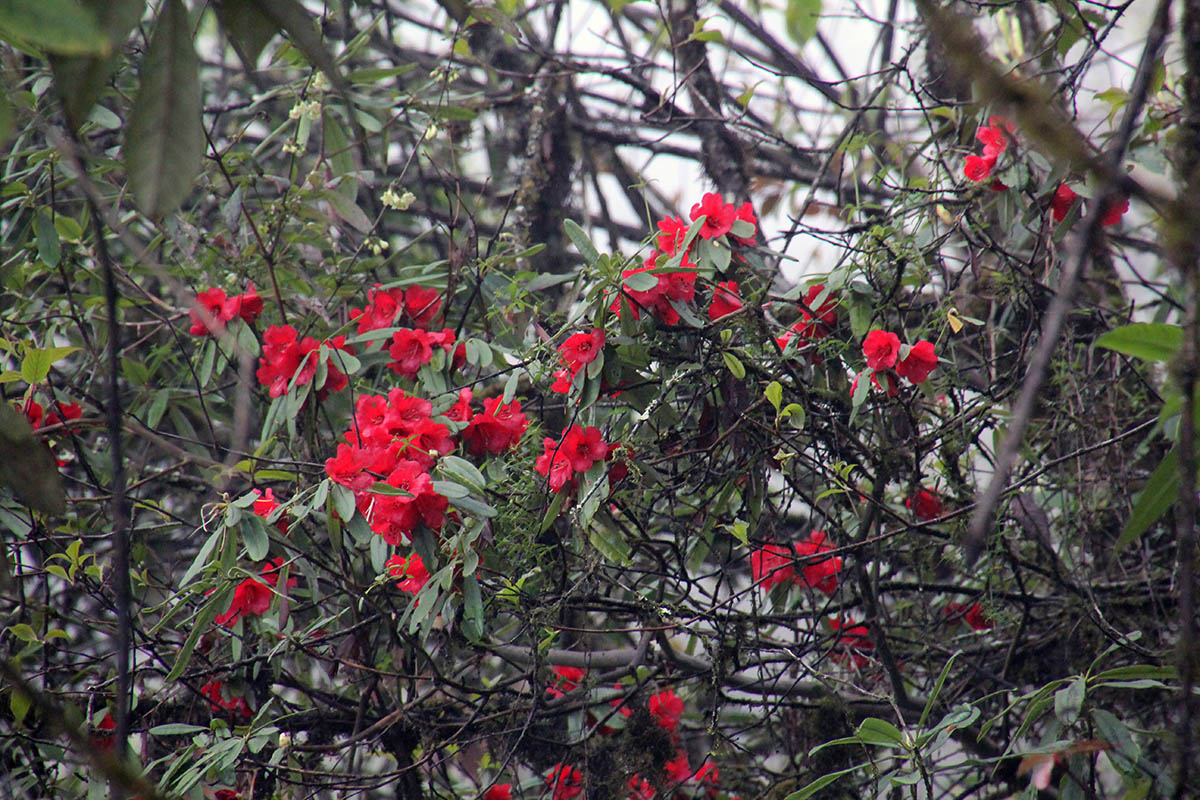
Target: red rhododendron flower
[(582, 348), (394, 517), (212, 302), (640, 788), (892, 387), (708, 773), (252, 597), (881, 349), (852, 643), (285, 359), (247, 305), (745, 213), (973, 615), (718, 214), (216, 698), (771, 565), (994, 135), (410, 573), (1060, 204), (820, 575), (825, 314), (265, 504), (678, 770), (666, 707), (979, 168), (725, 300), (566, 679), (383, 306), (421, 305), (565, 780), (69, 411), (1114, 209), (925, 505), (562, 381), (554, 464), (672, 232), (461, 411), (584, 447), (410, 350), (103, 738), (33, 412), (226, 794), (920, 362), (497, 429), (500, 791)]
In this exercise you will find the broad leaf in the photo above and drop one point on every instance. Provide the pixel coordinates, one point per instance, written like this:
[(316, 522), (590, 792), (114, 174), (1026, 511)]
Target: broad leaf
[(80, 79), (1160, 493), (1149, 341), (55, 26)]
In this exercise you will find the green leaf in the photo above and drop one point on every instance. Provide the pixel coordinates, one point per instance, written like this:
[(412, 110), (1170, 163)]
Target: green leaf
[(248, 28), (48, 246), (1069, 700), (640, 282), (254, 536), (81, 79), (6, 117), (463, 470), (347, 210), (27, 466), (1160, 493), (19, 704), (774, 394), (55, 26), (582, 243), (610, 543), (35, 366), (292, 17), (1149, 341), (472, 609), (175, 729), (879, 732), (801, 18), (735, 366), (23, 631), (200, 623), (164, 140), (343, 501), (821, 782)]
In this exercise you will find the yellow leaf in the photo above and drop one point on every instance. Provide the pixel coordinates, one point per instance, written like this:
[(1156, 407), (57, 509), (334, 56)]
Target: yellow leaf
[(956, 324)]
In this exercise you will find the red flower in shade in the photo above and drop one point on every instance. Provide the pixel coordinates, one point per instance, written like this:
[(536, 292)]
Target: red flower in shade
[(566, 679), (1114, 208), (226, 794), (995, 136), (103, 739), (410, 573), (286, 358), (678, 770), (33, 412), (584, 447), (394, 517), (973, 615), (815, 322), (216, 699), (554, 464), (582, 348), (410, 350), (672, 232), (708, 773), (892, 389), (422, 305), (925, 505), (725, 300), (920, 362), (620, 455), (265, 504), (881, 349), (497, 429), (69, 411), (640, 788), (821, 574), (718, 214), (852, 643), (210, 303), (745, 213), (771, 565), (500, 791), (1060, 204), (666, 707), (251, 597), (383, 306), (565, 780)]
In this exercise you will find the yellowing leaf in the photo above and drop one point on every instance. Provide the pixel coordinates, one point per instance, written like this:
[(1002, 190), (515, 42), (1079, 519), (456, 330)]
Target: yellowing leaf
[(956, 324)]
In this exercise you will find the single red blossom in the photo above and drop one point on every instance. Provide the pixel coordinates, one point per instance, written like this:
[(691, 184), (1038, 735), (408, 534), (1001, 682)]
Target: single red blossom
[(410, 350), (582, 348), (998, 185), (565, 780), (405, 412), (211, 304), (410, 573), (821, 574), (70, 411), (421, 305), (394, 517), (825, 315), (265, 504), (666, 707), (103, 739), (745, 213), (1060, 204), (227, 794), (566, 679), (33, 412), (640, 788), (678, 770), (672, 232), (925, 505), (771, 565), (994, 136), (461, 411), (973, 615), (1114, 208), (584, 447), (562, 381), (424, 443), (247, 305), (620, 455), (979, 168), (881, 348), (498, 429), (920, 362), (216, 699), (286, 359), (499, 791), (554, 464), (725, 300), (348, 467), (383, 306), (718, 214), (680, 285), (708, 773), (853, 642)]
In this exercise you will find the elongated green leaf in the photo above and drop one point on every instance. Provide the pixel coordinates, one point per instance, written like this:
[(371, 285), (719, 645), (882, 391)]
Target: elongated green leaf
[(821, 782), (80, 79), (881, 732), (582, 243), (1159, 495), (247, 27), (164, 141), (801, 18), (472, 609), (55, 26), (293, 18), (26, 465), (348, 210), (200, 624), (1149, 341)]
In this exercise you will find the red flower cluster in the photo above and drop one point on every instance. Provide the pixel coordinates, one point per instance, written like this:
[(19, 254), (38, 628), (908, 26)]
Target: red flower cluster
[(882, 350), (773, 564), (38, 417), (853, 642), (973, 615), (410, 573), (501, 791), (221, 309), (496, 429), (566, 679), (814, 323), (265, 504), (925, 505), (565, 780), (418, 305), (252, 597), (995, 136), (666, 707), (575, 452), (725, 300), (287, 358), (216, 698), (577, 351), (412, 348), (1065, 197), (719, 217)]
